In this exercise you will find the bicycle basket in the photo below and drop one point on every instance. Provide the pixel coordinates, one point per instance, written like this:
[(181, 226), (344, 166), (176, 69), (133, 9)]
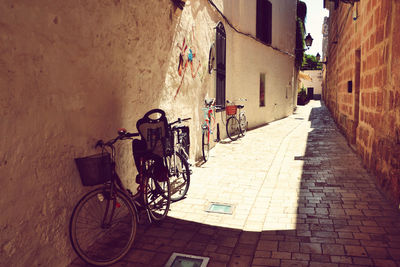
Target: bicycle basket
[(231, 110), (94, 169)]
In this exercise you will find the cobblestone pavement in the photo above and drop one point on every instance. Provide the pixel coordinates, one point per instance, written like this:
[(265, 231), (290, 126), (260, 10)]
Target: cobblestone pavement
[(300, 195)]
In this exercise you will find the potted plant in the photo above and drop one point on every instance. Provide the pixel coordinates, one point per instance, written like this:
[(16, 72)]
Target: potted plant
[(302, 96)]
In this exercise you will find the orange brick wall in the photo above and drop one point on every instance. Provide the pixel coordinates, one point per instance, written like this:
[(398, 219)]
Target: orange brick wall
[(374, 128)]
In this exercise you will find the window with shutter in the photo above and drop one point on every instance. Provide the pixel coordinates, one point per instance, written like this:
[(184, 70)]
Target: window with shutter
[(264, 21), (220, 64)]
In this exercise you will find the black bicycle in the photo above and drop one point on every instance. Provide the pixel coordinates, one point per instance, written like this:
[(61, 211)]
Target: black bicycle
[(103, 224), (177, 159)]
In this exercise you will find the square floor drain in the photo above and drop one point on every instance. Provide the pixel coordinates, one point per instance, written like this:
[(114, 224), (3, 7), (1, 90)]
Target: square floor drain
[(220, 208), (185, 260)]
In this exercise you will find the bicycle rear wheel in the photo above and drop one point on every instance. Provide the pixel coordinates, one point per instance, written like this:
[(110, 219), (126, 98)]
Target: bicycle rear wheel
[(103, 226), (205, 144), (243, 124), (156, 194), (180, 176), (233, 128)]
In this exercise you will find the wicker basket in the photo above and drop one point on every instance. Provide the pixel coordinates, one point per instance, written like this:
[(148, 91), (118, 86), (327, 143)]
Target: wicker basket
[(95, 169), (231, 110)]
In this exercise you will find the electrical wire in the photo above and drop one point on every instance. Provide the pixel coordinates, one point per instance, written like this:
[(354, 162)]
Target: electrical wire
[(247, 34)]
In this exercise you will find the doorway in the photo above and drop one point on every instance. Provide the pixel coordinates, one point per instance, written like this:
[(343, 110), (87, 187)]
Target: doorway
[(310, 93)]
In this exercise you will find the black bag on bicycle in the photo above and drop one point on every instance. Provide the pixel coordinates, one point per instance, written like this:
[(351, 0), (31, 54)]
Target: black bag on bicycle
[(154, 143), (184, 138)]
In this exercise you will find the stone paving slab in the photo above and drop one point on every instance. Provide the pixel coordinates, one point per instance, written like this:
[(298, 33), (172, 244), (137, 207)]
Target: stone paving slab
[(301, 198)]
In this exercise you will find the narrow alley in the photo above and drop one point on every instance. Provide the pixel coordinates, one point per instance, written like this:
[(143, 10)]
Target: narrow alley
[(299, 196)]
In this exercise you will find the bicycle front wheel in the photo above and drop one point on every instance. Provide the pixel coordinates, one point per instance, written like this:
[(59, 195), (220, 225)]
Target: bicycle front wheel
[(156, 194), (103, 226), (243, 124), (180, 176), (233, 128), (205, 144)]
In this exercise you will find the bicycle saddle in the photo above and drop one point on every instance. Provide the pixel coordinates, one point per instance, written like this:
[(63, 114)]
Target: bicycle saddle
[(240, 106)]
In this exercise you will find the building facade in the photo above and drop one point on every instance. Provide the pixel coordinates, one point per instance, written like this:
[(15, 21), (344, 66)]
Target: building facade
[(75, 72), (313, 85), (362, 83)]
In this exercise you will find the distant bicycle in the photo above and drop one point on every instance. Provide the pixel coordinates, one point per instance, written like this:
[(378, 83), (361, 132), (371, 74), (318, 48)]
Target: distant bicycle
[(208, 127), (236, 125)]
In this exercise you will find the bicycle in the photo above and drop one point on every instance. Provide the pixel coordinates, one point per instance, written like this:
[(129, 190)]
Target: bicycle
[(177, 160), (208, 126), (235, 125), (103, 223)]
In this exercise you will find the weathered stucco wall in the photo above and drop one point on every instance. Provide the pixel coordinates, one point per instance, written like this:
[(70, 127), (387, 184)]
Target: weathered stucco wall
[(72, 73), (247, 58), (367, 52), (316, 81)]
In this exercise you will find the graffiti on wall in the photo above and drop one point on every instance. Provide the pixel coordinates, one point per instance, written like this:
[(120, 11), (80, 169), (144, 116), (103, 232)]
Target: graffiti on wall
[(187, 58)]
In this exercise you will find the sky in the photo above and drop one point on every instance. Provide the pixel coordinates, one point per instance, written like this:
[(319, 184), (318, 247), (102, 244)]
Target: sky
[(314, 20)]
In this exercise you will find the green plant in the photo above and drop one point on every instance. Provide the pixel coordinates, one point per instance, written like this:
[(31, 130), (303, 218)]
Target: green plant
[(302, 96), (300, 30), (310, 62)]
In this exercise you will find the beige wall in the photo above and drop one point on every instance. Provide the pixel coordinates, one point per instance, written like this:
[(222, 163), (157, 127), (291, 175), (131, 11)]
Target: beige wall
[(72, 73), (247, 58), (316, 81)]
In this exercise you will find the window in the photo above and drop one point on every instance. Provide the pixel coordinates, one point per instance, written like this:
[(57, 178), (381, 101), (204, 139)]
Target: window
[(264, 21), (262, 89), (349, 86), (220, 64)]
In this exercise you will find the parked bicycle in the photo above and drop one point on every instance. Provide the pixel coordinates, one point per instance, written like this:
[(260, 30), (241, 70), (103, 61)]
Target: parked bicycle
[(104, 221), (208, 127), (236, 125), (177, 159)]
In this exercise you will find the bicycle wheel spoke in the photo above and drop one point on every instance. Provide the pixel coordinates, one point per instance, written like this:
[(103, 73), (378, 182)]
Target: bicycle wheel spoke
[(100, 235), (157, 198), (180, 177)]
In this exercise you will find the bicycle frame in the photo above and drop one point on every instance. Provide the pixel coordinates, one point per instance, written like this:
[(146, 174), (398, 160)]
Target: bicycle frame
[(209, 120), (116, 183)]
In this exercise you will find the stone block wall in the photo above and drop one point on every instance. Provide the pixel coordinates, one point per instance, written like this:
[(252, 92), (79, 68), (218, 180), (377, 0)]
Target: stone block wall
[(369, 115)]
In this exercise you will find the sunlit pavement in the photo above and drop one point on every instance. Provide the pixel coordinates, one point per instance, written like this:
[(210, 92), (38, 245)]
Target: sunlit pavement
[(299, 197)]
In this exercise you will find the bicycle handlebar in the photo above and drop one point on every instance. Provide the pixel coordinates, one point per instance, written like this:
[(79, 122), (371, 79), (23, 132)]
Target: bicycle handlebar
[(239, 99), (179, 120), (122, 134)]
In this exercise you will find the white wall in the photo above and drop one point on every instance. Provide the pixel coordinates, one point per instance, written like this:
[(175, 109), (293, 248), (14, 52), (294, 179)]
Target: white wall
[(247, 58)]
